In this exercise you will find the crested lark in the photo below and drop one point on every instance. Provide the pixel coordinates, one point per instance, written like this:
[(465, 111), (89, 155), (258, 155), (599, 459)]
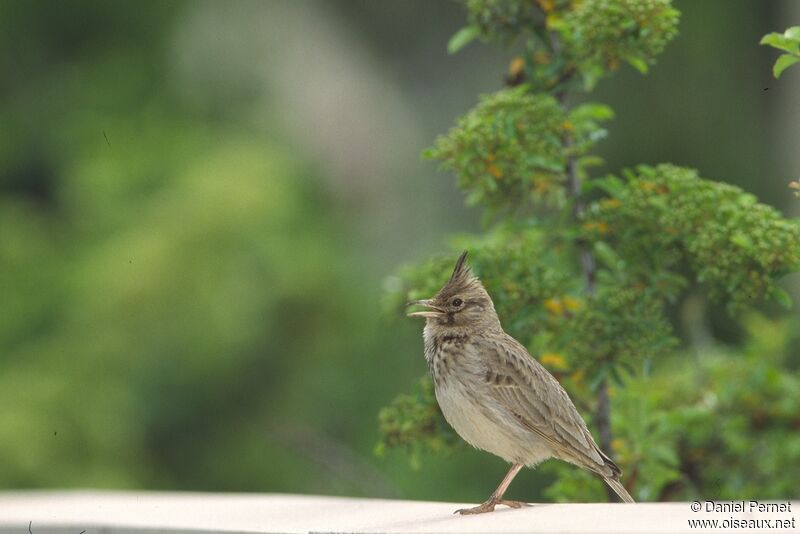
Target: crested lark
[(495, 395)]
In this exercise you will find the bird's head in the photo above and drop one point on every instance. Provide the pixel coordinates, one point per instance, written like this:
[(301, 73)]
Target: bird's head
[(462, 302)]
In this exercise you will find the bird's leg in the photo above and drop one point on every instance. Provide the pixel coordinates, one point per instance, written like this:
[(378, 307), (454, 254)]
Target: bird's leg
[(497, 497)]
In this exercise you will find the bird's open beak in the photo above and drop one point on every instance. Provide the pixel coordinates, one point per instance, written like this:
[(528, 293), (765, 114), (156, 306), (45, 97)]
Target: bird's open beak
[(431, 311)]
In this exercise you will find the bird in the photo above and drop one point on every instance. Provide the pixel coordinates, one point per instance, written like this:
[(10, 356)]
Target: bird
[(495, 395)]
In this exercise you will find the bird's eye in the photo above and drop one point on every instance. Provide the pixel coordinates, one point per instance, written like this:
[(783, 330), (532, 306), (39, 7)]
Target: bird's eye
[(457, 302)]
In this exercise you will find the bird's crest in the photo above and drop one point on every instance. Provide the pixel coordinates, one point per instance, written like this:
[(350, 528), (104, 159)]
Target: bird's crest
[(462, 277), (461, 269)]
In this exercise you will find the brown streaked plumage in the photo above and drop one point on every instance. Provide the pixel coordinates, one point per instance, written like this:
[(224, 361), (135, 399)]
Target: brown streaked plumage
[(495, 394)]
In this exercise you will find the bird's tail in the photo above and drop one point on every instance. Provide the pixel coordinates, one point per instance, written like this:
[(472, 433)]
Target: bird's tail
[(619, 489)]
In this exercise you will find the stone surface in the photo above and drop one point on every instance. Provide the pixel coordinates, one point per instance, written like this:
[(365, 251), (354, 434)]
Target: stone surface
[(122, 512)]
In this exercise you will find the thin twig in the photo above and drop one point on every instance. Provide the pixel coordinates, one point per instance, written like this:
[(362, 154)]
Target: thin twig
[(589, 270)]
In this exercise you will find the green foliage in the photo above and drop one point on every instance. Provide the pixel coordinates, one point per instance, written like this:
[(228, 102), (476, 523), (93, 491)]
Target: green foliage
[(619, 326), (600, 34), (500, 21), (741, 405), (508, 146), (414, 424), (582, 40), (734, 245), (685, 430), (789, 42), (510, 149), (586, 271), (462, 38)]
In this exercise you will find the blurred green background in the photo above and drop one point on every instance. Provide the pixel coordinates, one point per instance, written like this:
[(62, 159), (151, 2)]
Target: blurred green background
[(200, 201)]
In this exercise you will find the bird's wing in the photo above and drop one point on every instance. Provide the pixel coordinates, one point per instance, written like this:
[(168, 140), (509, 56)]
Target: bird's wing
[(534, 398)]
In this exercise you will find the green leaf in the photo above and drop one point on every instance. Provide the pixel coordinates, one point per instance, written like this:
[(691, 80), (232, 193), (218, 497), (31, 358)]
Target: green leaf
[(549, 164), (602, 374), (781, 297), (638, 64), (742, 240), (746, 200), (592, 110), (591, 161), (462, 38), (610, 184), (616, 376), (784, 62), (591, 75), (606, 255), (781, 42), (793, 33)]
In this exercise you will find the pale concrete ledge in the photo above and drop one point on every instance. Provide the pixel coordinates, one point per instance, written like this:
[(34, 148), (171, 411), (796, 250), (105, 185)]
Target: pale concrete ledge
[(73, 512)]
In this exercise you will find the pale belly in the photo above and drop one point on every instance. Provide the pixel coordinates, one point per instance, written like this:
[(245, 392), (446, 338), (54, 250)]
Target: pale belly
[(498, 435)]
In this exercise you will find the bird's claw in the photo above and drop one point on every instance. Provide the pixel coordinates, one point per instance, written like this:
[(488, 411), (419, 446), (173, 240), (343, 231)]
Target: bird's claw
[(489, 506), (513, 504)]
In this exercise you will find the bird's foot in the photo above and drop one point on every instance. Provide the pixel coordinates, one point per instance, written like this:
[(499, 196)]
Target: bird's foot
[(489, 505)]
